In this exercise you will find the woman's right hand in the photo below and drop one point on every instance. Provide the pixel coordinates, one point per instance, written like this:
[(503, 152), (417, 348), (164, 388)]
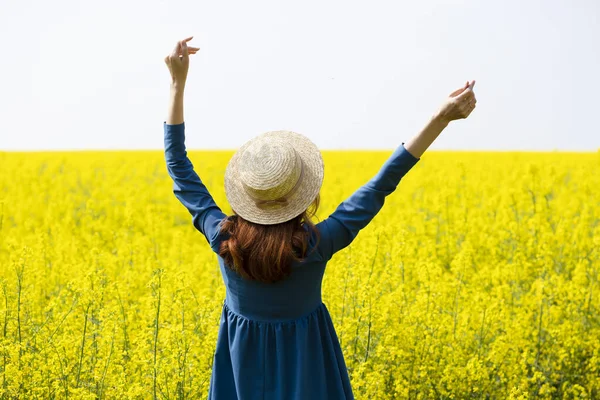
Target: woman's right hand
[(459, 104)]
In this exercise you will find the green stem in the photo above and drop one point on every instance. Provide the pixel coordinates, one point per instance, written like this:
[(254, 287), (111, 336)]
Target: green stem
[(82, 345), (19, 291), (5, 333), (112, 345), (156, 319)]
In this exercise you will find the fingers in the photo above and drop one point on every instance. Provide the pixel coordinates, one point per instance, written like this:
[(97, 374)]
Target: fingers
[(191, 50), (468, 107), (181, 51), (468, 87), (469, 101), (179, 45), (183, 44), (471, 109), (184, 50), (176, 50), (467, 94), (465, 104), (458, 91)]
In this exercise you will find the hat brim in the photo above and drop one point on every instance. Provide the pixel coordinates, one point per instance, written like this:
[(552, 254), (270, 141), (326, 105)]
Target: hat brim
[(244, 206)]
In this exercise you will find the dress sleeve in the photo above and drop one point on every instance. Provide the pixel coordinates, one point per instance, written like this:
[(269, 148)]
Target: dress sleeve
[(341, 227), (188, 188)]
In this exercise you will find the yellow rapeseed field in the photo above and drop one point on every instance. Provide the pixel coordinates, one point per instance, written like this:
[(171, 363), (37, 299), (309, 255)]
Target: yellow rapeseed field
[(478, 279)]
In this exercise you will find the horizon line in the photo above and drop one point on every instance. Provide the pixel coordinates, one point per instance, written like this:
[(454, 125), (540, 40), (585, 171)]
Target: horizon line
[(107, 150)]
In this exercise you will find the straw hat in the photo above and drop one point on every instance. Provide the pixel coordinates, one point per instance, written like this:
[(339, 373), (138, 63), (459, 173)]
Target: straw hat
[(274, 177)]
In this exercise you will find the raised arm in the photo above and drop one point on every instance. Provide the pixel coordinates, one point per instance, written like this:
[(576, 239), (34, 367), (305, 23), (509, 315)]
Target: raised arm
[(187, 186), (355, 213)]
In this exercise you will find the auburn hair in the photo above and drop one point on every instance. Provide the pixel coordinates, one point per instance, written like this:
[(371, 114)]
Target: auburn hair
[(265, 253)]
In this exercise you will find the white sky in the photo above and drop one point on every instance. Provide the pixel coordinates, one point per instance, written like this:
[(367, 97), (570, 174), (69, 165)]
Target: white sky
[(90, 74)]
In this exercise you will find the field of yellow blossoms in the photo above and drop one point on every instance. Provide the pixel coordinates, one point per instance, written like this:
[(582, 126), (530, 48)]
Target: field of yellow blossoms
[(478, 279)]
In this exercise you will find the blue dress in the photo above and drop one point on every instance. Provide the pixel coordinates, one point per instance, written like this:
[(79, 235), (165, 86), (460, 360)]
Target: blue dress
[(277, 341)]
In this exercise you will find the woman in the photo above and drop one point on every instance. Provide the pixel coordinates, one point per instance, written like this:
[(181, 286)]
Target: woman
[(276, 338)]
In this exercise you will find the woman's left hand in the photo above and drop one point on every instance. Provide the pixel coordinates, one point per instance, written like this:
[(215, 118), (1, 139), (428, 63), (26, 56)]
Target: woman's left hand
[(178, 62)]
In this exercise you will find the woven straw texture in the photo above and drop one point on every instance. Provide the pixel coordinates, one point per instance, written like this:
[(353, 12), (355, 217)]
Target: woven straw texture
[(274, 177)]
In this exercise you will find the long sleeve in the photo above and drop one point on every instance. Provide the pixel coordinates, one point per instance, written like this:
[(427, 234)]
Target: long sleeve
[(187, 186), (355, 213)]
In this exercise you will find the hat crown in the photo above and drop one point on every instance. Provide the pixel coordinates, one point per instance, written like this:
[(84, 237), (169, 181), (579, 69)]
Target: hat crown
[(269, 169), (274, 177)]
